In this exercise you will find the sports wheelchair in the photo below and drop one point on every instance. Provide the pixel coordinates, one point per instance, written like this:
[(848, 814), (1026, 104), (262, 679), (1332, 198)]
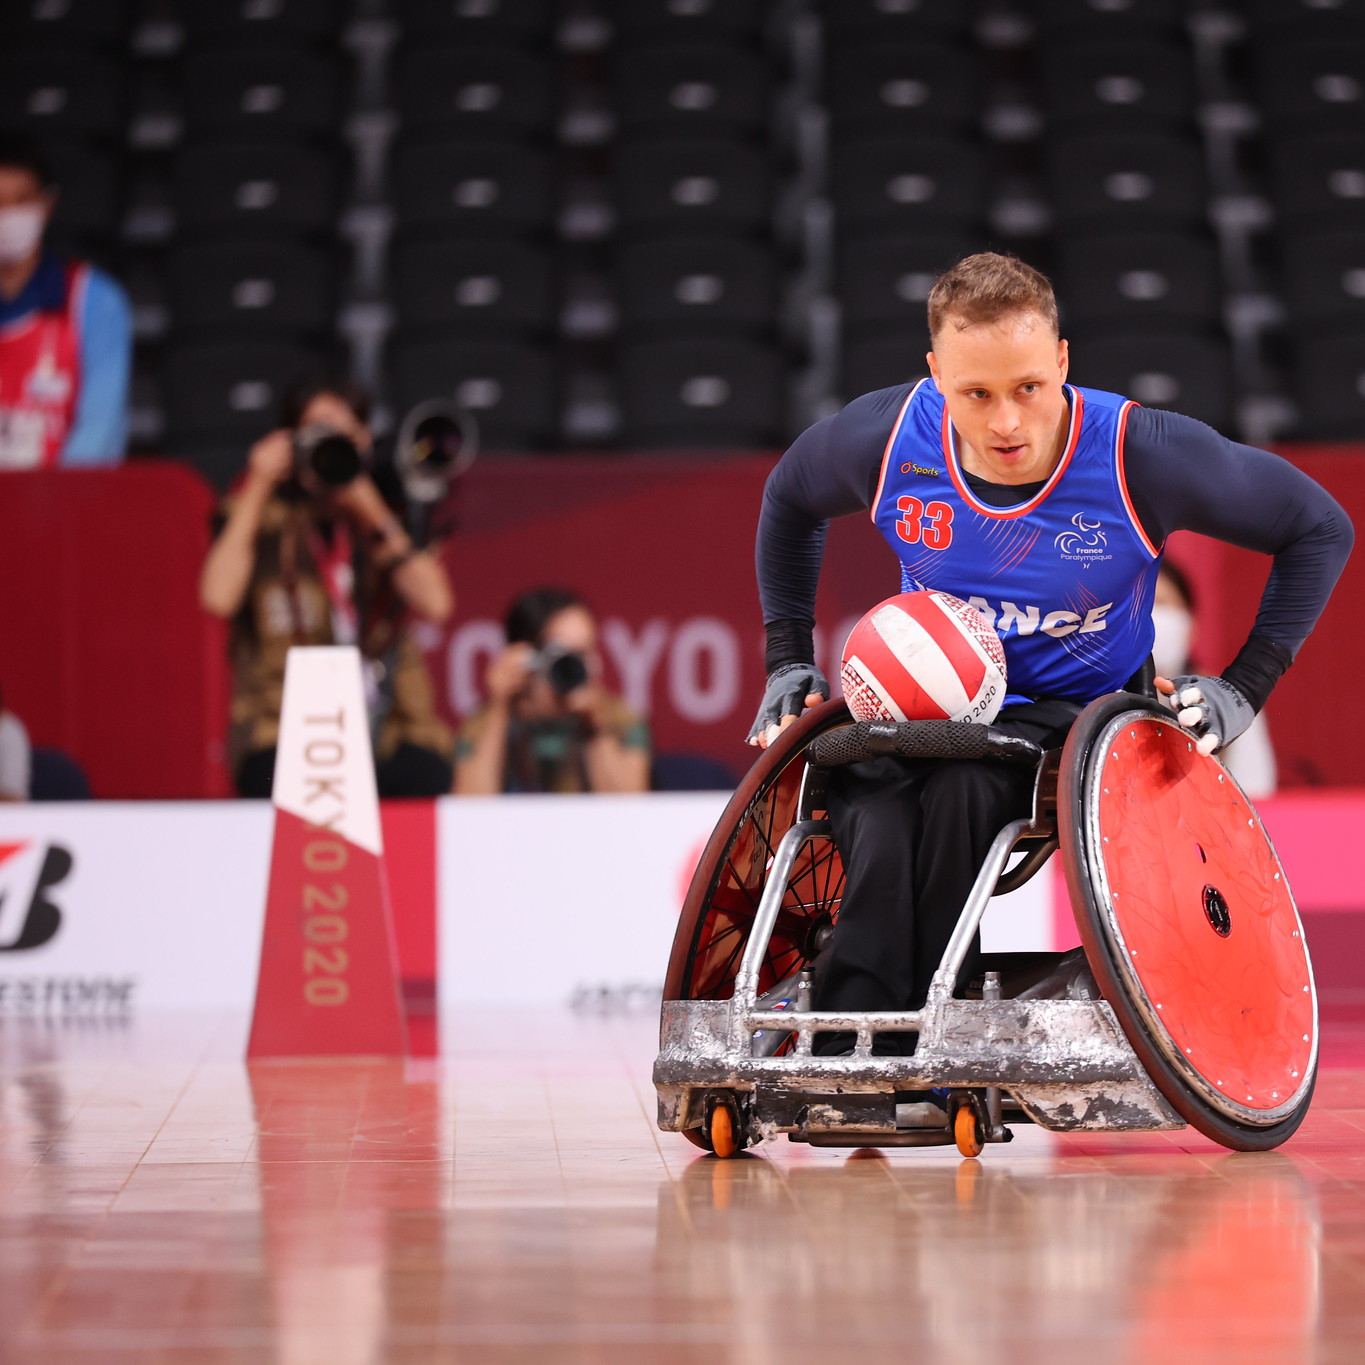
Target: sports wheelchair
[(1191, 1000)]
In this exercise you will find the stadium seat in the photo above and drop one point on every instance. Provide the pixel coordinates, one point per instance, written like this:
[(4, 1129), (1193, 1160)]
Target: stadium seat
[(69, 23), (472, 188), (1127, 181), (485, 92), (1324, 279), (1108, 18), (1181, 371), (474, 288), (266, 187), (691, 90), (693, 186), (279, 92), (901, 89), (884, 282), (1133, 85), (511, 389), (688, 20), (715, 286), (701, 394), (896, 20), (1150, 280), (1313, 86), (1307, 18), (51, 92), (89, 199), (477, 21), (1330, 375), (264, 21), (922, 185), (225, 391), (879, 362), (279, 288), (1320, 181)]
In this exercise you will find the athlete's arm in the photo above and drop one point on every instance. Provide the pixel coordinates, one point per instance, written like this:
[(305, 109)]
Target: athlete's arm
[(99, 429), (1184, 476), (830, 470)]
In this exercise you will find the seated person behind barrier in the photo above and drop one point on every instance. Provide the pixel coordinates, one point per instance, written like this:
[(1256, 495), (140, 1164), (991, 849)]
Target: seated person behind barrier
[(65, 334), (312, 553), (16, 757), (549, 724), (1046, 506)]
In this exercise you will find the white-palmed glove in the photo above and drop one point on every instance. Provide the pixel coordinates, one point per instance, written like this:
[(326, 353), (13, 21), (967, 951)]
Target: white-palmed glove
[(1211, 709), (788, 687)]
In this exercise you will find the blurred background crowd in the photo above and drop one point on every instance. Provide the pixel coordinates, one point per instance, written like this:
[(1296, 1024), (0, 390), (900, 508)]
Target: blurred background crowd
[(323, 252)]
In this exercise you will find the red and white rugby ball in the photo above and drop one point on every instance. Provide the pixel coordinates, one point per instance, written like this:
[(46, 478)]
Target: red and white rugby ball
[(924, 656)]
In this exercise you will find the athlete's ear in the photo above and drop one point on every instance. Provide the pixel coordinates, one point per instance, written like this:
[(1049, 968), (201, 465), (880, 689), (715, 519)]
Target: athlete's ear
[(1063, 357), (933, 371)]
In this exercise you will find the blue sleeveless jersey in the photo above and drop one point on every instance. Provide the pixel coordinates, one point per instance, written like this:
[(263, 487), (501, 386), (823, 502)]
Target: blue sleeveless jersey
[(1066, 579)]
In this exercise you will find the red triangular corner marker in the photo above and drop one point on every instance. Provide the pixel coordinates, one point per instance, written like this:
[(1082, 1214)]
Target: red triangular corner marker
[(328, 982)]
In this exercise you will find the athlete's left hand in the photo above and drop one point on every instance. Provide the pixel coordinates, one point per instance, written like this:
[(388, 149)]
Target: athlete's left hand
[(1211, 709)]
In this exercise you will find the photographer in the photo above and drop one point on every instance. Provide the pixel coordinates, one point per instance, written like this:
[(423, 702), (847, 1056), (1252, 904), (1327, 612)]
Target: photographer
[(312, 553), (549, 725)]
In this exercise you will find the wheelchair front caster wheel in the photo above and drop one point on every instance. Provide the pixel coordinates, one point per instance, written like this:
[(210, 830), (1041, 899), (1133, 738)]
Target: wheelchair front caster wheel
[(722, 1129), (967, 1131)]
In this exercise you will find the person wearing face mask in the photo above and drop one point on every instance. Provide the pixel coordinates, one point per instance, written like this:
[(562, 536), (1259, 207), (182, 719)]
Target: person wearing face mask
[(312, 551), (65, 335), (1250, 757), (549, 724)]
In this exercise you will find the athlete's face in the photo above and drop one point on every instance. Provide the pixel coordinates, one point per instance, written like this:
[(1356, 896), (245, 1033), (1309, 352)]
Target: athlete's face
[(1002, 384)]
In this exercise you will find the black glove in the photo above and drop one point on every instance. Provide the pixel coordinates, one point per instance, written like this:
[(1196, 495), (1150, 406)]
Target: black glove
[(1211, 709), (785, 695)]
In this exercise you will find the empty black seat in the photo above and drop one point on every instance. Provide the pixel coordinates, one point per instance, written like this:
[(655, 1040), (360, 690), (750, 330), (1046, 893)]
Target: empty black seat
[(474, 288), (477, 21), (510, 388), (70, 23), (714, 286), (686, 90), (1313, 86), (693, 186), (1324, 279), (50, 92), (473, 188), (1330, 375), (1139, 279), (1320, 181), (1183, 372), (919, 185), (1137, 85), (1307, 18), (261, 187), (272, 92), (225, 391), (688, 19), (899, 20), (1108, 18), (266, 21), (888, 89), (481, 91), (884, 282), (880, 362), (275, 287), (718, 392), (1122, 181), (88, 199)]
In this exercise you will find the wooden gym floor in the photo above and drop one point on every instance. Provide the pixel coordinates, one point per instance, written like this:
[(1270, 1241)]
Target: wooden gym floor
[(513, 1202)]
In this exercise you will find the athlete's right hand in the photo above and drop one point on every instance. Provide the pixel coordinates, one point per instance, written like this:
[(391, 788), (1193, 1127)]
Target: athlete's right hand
[(791, 689)]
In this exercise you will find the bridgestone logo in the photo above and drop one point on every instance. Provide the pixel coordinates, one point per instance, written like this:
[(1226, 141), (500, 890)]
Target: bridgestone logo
[(66, 995)]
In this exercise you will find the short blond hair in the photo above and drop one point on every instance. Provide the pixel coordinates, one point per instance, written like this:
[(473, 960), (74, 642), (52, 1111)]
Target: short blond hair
[(987, 287)]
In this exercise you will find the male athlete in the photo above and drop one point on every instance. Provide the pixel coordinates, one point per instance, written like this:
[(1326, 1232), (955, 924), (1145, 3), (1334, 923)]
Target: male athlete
[(1046, 506)]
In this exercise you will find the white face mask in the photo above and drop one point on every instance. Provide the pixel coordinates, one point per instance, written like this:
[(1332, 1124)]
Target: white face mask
[(1171, 647), (21, 229)]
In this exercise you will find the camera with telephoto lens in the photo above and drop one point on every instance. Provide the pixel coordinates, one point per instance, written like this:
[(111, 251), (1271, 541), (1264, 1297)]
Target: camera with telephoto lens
[(565, 670), (333, 459)]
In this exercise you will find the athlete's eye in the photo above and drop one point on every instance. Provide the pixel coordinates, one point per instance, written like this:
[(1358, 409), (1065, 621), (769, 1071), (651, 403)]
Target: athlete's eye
[(1029, 388)]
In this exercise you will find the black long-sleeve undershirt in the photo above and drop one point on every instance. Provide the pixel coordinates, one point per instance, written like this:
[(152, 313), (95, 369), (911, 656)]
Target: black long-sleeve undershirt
[(1181, 474)]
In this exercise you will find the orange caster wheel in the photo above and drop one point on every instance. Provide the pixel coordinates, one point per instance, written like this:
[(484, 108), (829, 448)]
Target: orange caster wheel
[(724, 1139), (722, 1129), (967, 1131)]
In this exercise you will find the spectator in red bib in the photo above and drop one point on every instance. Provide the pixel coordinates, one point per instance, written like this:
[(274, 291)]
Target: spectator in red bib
[(65, 335)]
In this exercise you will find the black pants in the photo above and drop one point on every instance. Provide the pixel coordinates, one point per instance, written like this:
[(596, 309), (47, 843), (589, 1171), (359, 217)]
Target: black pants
[(409, 771), (913, 835)]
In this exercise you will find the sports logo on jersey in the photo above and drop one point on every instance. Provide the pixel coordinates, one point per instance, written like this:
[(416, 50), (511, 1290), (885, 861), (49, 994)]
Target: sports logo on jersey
[(28, 871), (1086, 544)]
